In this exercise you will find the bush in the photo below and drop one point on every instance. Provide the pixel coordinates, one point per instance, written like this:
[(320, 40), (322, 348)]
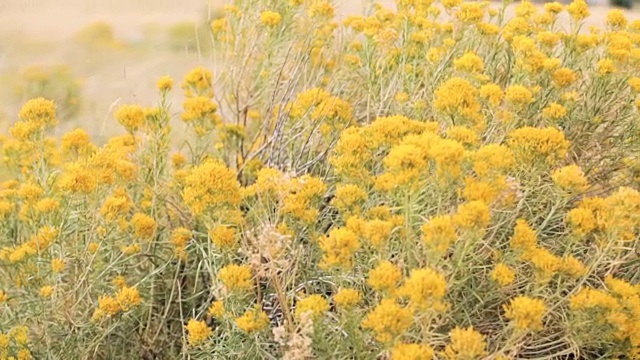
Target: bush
[(97, 35), (53, 82), (399, 186)]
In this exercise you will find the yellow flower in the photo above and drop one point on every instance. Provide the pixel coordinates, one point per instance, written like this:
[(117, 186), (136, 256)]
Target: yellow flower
[(554, 111), (3, 296), (465, 344), (548, 38), (456, 95), (44, 206), (144, 227), (201, 110), (448, 4), (28, 191), (616, 19), (448, 156), (588, 298), (347, 298), (492, 159), (606, 66), (377, 231), (581, 220), (564, 77), (573, 267), (7, 207), (57, 265), (77, 179), (553, 7), (526, 313), (519, 96), (131, 117), (46, 291), (403, 351), (384, 277), (349, 197), (93, 247), (473, 215), (24, 354), (198, 83), (236, 277), (487, 29), (119, 281), (305, 191), (211, 186), (530, 144), (493, 93), (39, 111), (485, 191), (503, 275), (77, 141), (198, 332), (224, 237), (439, 233), (270, 18), (44, 237), (552, 64), (425, 289), (404, 163), (165, 83), (471, 12), (20, 335), (463, 135), (338, 248), (216, 309), (321, 9), (570, 179), (578, 9), (524, 237), (108, 305), (388, 320), (315, 305), (622, 288), (634, 83), (178, 160), (469, 62), (253, 320), (401, 97), (179, 238), (128, 297)]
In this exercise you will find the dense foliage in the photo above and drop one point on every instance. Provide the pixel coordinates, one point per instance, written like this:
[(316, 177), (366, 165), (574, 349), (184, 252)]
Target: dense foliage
[(445, 180)]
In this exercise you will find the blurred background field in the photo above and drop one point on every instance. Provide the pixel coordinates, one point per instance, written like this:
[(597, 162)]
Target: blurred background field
[(92, 55)]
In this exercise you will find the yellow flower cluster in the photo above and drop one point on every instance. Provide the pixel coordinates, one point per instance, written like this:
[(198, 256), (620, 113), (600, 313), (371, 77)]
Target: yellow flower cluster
[(465, 344), (270, 18), (211, 187), (313, 305), (526, 313), (236, 278), (124, 300), (338, 248), (198, 332), (425, 290), (388, 320), (253, 320)]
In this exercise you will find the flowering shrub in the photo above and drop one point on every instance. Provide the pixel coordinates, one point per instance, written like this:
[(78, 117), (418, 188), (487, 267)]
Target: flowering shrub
[(97, 35), (436, 182), (56, 83)]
